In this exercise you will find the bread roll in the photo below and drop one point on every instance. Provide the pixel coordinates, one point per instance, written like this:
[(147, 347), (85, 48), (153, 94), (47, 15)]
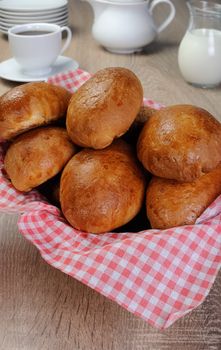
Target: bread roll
[(36, 156), (180, 142), (170, 203), (30, 105), (101, 190), (104, 107)]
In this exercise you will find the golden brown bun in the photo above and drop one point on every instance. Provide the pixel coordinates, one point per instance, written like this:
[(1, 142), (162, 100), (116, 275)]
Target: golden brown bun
[(36, 156), (101, 190), (170, 203), (104, 107), (30, 105), (180, 142)]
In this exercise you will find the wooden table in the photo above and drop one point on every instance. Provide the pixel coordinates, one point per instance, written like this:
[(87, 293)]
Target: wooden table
[(41, 308)]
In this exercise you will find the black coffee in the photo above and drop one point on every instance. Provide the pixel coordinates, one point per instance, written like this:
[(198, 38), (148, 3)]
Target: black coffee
[(34, 32)]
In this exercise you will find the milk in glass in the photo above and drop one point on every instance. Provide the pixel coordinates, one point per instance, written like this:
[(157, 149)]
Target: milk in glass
[(199, 54)]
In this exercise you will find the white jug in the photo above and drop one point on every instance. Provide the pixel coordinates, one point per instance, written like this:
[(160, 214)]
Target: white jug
[(126, 27)]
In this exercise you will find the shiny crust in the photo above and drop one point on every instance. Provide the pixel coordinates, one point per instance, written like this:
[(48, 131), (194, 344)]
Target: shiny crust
[(170, 203), (36, 156), (30, 105), (180, 142), (104, 107), (101, 190)]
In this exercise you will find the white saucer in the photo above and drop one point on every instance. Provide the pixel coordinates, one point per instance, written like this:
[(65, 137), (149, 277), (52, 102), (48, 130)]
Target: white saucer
[(10, 70), (9, 24), (37, 18), (24, 5)]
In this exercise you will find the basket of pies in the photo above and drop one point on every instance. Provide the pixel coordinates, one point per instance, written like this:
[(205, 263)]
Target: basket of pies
[(116, 190)]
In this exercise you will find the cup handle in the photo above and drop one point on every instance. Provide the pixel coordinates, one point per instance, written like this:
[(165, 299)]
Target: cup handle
[(68, 39), (170, 16)]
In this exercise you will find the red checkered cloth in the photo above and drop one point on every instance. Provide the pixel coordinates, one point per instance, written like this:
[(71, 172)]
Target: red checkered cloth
[(158, 275)]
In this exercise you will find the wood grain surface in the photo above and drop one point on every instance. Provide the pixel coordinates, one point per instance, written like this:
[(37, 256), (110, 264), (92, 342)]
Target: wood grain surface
[(42, 308)]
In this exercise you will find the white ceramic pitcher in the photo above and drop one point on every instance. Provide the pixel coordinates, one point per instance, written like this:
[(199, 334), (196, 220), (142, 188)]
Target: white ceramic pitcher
[(124, 26)]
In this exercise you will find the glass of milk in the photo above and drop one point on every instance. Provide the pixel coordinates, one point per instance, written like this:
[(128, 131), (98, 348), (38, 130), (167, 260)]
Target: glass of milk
[(199, 55)]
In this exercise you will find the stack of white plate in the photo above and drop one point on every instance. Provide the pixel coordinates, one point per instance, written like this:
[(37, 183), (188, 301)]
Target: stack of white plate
[(13, 12)]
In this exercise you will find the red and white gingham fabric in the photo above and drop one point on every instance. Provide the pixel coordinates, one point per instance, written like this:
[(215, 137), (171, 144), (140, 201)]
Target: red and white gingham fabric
[(158, 275)]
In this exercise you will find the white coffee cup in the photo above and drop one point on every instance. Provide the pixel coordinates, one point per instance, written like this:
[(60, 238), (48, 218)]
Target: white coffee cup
[(36, 46)]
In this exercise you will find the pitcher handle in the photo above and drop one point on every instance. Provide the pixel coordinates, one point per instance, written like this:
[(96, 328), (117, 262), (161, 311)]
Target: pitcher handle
[(68, 39), (170, 16)]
